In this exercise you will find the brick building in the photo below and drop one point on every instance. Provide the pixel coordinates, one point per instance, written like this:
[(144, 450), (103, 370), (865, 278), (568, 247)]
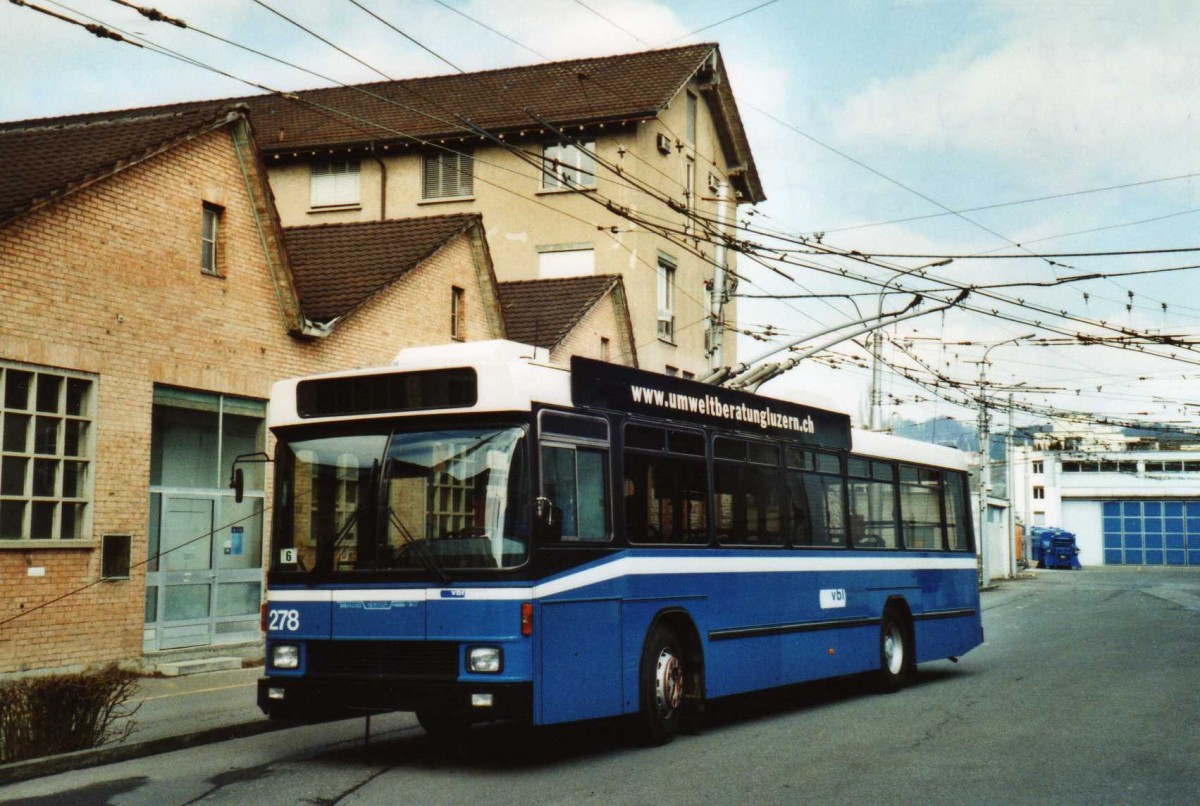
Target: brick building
[(151, 297)]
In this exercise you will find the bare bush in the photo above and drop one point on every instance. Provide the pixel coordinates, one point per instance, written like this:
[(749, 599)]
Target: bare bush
[(47, 715)]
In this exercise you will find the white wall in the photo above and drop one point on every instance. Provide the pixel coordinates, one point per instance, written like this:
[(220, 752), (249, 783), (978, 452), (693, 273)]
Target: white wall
[(1084, 519)]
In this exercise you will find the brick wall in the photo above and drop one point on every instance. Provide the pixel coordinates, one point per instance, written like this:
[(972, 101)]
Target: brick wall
[(108, 282)]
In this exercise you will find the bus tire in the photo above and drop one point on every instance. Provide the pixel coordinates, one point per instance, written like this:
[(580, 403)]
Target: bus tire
[(897, 658), (662, 676)]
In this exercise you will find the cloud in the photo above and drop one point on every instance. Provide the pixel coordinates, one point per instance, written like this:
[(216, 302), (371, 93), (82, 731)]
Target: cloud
[(1085, 90)]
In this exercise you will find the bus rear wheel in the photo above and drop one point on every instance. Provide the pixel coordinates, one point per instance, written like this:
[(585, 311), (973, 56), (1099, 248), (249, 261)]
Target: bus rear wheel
[(896, 652), (662, 687)]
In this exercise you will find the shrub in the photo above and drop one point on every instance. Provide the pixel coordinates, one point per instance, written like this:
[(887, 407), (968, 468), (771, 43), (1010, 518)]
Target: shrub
[(43, 716)]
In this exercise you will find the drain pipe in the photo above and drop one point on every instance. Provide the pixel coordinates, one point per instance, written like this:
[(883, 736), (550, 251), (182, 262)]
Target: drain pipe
[(383, 177)]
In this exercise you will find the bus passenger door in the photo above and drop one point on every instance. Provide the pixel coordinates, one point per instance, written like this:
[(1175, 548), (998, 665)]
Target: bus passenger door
[(580, 661)]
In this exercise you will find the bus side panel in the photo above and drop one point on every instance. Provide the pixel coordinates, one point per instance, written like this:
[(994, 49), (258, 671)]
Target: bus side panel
[(580, 661), (940, 633)]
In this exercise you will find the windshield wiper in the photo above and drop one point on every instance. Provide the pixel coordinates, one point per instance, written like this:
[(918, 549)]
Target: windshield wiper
[(419, 548)]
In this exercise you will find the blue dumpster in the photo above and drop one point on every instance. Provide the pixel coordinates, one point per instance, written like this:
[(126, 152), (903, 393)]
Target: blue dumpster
[(1054, 548)]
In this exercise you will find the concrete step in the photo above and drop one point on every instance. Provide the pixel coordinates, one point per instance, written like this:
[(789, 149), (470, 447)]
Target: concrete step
[(182, 667)]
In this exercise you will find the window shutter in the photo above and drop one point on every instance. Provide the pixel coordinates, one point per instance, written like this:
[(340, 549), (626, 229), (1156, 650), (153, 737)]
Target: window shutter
[(335, 183), (447, 175)]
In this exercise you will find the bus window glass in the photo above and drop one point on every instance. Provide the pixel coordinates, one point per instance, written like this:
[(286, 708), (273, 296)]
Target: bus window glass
[(574, 481), (825, 496), (829, 463), (665, 499), (956, 513), (748, 505), (872, 505), (644, 437), (560, 486), (801, 460), (725, 448), (687, 442), (921, 507), (763, 453), (801, 523)]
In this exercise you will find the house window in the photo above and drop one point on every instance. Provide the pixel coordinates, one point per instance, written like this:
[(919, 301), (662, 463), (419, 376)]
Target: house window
[(458, 324), (209, 228), (604, 349), (46, 454), (672, 372), (566, 165), (666, 298), (335, 184), (1039, 493), (690, 111), (447, 175), (566, 260), (1039, 467)]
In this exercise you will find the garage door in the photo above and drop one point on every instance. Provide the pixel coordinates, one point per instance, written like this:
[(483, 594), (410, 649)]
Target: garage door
[(1152, 533)]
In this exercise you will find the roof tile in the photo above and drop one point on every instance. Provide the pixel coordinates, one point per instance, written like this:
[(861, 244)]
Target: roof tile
[(542, 312), (339, 267)]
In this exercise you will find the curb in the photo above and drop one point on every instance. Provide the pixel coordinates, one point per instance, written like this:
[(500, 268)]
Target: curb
[(82, 759)]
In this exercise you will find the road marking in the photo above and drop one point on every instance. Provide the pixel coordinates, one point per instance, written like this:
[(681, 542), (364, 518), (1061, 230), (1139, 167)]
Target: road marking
[(197, 691)]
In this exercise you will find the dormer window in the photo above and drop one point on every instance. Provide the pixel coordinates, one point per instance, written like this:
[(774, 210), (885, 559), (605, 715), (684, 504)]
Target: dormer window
[(335, 184)]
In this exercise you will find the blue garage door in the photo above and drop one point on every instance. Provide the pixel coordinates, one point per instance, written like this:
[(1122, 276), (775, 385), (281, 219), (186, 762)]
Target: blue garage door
[(1152, 533)]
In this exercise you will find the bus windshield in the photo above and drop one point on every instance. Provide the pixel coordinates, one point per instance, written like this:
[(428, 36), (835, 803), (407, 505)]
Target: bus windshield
[(455, 498)]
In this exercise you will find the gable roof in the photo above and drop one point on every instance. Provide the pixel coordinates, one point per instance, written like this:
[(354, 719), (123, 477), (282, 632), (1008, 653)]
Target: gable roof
[(340, 267), (600, 89), (543, 312), (48, 160)]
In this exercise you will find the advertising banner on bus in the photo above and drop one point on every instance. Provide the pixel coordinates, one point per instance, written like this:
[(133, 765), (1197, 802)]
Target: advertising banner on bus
[(609, 386)]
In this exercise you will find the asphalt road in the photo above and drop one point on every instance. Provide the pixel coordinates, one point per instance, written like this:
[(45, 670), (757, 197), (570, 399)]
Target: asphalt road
[(1087, 691)]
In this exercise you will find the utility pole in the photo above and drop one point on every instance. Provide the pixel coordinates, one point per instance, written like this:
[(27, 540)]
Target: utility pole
[(716, 297), (985, 478), (876, 398)]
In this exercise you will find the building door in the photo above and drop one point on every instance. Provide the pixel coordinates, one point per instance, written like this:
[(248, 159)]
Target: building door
[(204, 580), (1152, 533)]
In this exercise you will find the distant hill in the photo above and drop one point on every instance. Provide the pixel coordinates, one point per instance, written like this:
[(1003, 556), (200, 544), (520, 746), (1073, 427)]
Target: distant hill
[(940, 431)]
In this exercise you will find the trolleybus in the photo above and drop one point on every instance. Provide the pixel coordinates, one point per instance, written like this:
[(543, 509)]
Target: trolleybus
[(474, 533)]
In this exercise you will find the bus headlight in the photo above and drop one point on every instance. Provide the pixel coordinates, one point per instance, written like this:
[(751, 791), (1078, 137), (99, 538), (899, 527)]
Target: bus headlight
[(485, 659), (285, 656)]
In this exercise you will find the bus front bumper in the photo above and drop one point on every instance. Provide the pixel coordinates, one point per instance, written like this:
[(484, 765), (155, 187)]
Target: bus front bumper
[(303, 699)]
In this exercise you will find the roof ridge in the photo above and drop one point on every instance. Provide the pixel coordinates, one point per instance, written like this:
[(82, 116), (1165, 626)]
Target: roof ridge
[(378, 222), (183, 106)]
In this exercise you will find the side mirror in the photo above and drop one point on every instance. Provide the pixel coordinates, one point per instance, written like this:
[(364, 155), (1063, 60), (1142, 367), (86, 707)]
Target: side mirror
[(237, 480), (238, 483)]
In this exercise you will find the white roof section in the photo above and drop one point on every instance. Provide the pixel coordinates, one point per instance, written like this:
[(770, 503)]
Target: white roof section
[(886, 446), (511, 377)]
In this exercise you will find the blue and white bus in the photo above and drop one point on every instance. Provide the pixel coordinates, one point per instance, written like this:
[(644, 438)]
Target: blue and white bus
[(475, 534)]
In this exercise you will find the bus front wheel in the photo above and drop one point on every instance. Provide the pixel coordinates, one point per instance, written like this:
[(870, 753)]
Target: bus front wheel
[(662, 676), (896, 652)]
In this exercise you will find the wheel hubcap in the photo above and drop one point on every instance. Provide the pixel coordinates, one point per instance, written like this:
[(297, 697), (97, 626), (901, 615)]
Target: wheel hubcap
[(893, 649), (668, 683)]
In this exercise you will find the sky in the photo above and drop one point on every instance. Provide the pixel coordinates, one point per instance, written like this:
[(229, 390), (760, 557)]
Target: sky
[(859, 114)]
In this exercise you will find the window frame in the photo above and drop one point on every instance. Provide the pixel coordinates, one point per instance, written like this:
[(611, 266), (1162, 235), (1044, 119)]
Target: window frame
[(561, 160), (335, 184), (36, 460), (576, 442), (458, 317), (210, 238), (665, 295)]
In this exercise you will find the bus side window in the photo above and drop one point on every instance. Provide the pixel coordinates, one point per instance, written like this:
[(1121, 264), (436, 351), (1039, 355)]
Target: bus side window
[(575, 480), (665, 499)]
